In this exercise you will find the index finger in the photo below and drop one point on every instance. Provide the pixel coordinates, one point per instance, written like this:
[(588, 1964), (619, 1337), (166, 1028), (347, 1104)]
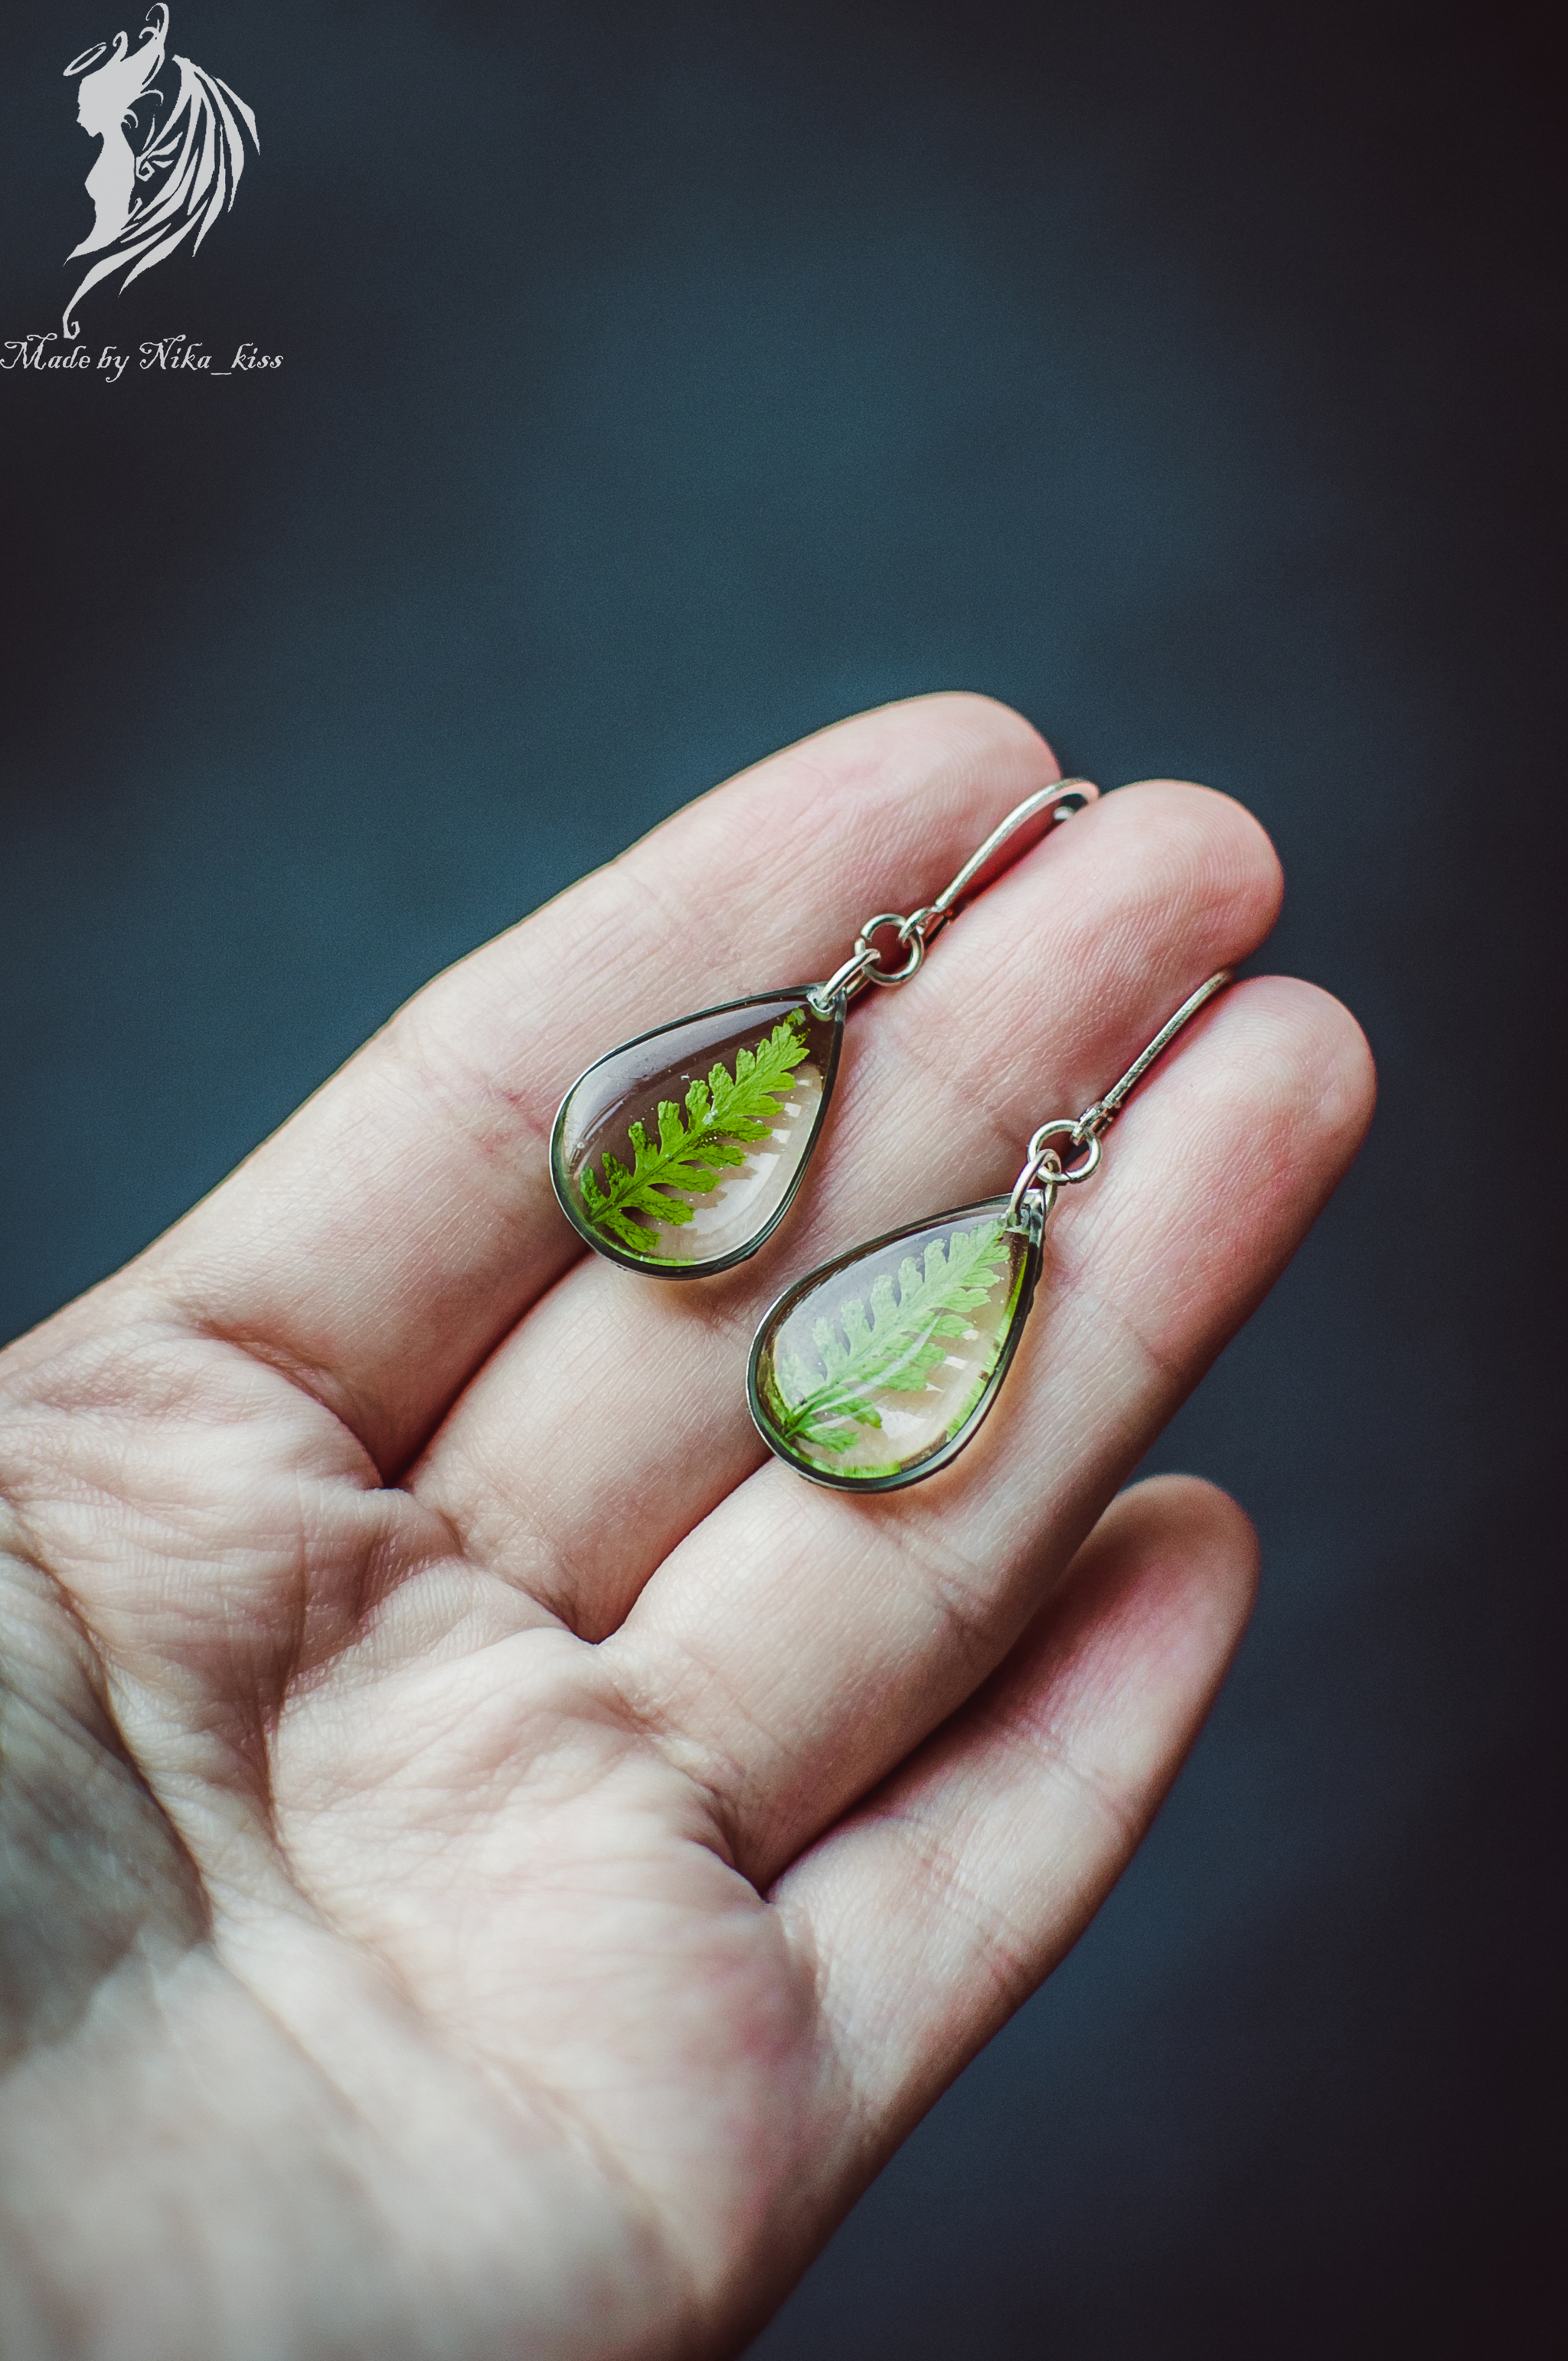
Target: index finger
[(385, 1239)]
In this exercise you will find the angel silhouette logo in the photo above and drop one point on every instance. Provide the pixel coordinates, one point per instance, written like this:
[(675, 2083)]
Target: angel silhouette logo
[(180, 175)]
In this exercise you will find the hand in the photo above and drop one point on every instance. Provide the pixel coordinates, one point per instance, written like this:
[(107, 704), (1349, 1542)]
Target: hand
[(495, 1864)]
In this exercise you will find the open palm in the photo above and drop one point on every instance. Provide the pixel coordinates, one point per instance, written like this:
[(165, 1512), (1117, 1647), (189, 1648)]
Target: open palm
[(491, 1866)]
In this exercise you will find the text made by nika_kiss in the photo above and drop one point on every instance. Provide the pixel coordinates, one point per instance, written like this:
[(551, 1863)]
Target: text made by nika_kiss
[(173, 355)]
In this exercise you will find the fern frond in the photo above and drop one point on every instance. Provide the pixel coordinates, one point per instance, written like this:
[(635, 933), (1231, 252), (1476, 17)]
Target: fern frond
[(893, 1345), (724, 1117)]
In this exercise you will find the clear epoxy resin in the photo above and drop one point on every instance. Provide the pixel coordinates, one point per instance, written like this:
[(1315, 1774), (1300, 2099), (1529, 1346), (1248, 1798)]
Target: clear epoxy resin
[(679, 1152), (877, 1368)]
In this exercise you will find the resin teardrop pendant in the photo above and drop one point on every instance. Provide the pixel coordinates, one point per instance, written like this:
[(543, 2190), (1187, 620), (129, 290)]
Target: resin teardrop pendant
[(876, 1369), (679, 1152)]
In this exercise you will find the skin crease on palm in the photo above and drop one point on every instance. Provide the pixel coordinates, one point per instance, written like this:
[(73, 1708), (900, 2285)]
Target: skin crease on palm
[(492, 1863)]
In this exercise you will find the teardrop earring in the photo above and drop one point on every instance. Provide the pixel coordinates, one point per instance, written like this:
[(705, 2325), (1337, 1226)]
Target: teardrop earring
[(679, 1154), (876, 1369)]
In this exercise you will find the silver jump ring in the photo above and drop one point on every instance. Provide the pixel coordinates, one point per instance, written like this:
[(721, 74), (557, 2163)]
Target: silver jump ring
[(1063, 1126), (845, 980), (1046, 1166), (908, 934)]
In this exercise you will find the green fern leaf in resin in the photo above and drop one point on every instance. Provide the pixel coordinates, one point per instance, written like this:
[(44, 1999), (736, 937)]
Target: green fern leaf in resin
[(890, 1342), (723, 1117)]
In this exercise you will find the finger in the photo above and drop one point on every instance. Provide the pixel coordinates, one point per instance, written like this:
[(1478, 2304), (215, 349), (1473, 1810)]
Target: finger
[(615, 1419), (801, 1641), (401, 1222), (935, 1911)]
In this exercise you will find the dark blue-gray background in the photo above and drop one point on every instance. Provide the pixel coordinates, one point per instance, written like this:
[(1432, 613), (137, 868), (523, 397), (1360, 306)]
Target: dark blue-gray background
[(661, 382)]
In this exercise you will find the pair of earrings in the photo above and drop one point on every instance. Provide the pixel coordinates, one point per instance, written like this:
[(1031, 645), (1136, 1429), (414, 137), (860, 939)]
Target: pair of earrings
[(679, 1154)]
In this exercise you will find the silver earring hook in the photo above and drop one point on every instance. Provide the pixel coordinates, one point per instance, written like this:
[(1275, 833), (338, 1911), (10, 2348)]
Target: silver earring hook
[(1044, 1171), (1009, 841)]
